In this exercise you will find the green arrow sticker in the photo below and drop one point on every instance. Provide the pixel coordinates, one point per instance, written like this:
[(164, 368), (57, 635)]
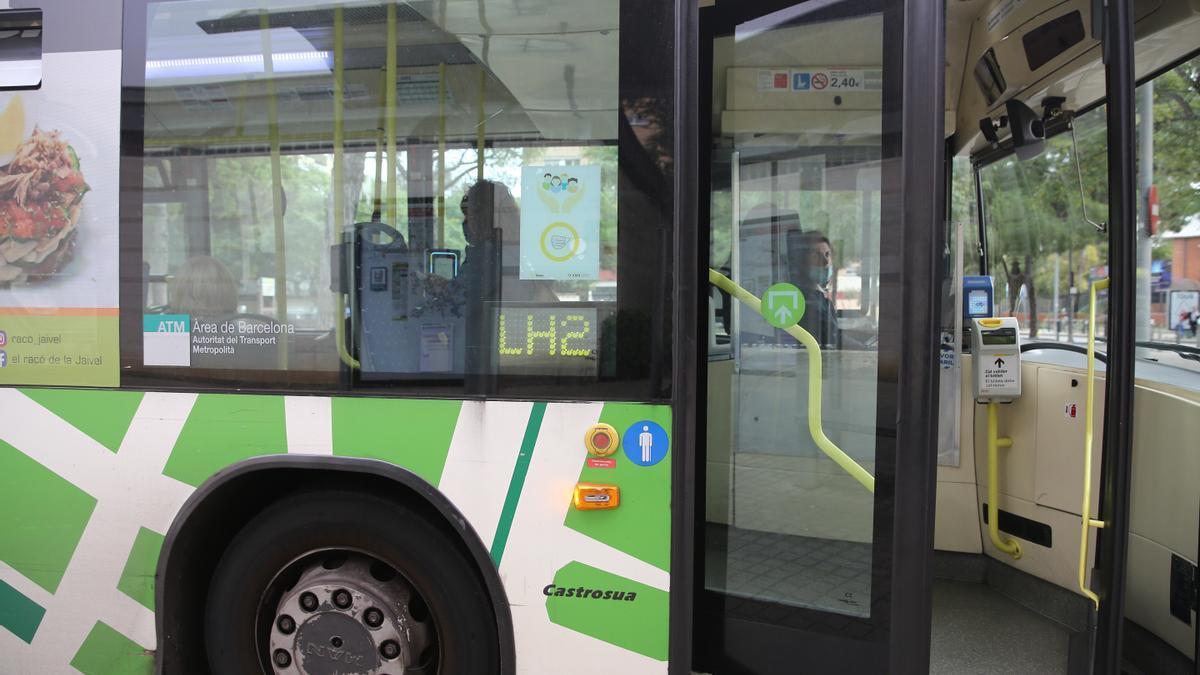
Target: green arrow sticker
[(782, 305)]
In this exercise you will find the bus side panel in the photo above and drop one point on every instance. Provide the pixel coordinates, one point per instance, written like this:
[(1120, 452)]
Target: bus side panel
[(94, 479)]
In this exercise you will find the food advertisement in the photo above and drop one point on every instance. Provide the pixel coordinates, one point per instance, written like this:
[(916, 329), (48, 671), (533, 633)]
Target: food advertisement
[(560, 222), (59, 155)]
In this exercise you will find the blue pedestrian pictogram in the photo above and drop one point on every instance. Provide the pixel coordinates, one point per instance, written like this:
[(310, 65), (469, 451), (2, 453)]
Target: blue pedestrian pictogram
[(646, 443)]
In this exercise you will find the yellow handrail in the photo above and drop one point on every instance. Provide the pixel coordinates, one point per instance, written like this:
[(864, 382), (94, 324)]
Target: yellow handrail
[(441, 194), (281, 294), (339, 174), (390, 113), (1085, 517), (481, 127), (995, 442), (814, 382), (377, 194)]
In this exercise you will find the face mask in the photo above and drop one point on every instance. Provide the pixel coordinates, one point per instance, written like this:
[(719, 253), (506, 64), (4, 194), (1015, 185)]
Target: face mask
[(820, 275)]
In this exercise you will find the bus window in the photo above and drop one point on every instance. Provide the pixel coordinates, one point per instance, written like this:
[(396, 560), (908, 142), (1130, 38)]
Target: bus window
[(378, 198), (1042, 252), (1168, 297), (964, 212)]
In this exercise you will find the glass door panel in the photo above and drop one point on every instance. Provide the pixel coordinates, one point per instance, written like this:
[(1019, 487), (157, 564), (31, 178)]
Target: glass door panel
[(801, 430)]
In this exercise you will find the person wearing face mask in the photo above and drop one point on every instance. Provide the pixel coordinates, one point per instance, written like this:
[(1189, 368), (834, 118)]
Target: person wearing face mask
[(816, 268)]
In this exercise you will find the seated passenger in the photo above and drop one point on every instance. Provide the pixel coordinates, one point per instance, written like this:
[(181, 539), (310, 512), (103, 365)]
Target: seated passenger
[(491, 261), (222, 338), (202, 286)]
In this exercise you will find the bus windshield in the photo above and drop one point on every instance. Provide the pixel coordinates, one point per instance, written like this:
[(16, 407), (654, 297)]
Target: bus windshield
[(1042, 219)]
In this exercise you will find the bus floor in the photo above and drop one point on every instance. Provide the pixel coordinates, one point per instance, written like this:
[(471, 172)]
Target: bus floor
[(826, 574), (978, 630)]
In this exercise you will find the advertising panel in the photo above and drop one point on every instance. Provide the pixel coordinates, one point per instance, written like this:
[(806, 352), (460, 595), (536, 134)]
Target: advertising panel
[(59, 149), (1182, 306)]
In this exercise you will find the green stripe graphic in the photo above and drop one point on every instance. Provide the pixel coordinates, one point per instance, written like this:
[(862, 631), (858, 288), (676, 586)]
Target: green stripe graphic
[(517, 484), (103, 415), (18, 613), (414, 434), (108, 652), (137, 579)]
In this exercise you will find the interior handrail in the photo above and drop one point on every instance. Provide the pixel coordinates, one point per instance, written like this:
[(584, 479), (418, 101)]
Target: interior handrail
[(1010, 546), (1061, 346), (281, 291), (1085, 517), (815, 429), (339, 178)]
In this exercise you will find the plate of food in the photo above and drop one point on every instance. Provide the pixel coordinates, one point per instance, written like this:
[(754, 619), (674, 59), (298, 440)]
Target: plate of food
[(41, 198)]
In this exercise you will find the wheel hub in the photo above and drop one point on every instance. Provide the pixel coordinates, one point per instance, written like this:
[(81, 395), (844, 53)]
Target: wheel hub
[(342, 617), (337, 640)]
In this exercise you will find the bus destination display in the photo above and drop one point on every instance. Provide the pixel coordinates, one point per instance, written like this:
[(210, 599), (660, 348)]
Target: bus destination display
[(547, 341)]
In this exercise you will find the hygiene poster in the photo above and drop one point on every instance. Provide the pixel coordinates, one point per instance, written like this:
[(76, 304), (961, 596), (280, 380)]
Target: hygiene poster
[(59, 150), (560, 222)]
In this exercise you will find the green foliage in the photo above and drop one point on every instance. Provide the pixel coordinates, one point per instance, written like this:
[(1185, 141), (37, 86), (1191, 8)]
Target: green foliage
[(1176, 152), (1035, 210), (1034, 207)]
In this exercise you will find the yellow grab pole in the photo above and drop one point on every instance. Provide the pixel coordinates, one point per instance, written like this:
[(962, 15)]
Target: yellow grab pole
[(281, 305), (814, 383), (339, 160), (240, 125), (481, 127), (1009, 546), (339, 176), (1085, 517), (390, 112), (377, 194), (441, 195)]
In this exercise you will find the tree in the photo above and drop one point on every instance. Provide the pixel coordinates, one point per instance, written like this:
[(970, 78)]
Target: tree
[(1035, 209)]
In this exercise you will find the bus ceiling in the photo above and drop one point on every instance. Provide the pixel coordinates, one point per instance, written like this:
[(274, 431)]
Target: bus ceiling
[(997, 51), (1038, 52)]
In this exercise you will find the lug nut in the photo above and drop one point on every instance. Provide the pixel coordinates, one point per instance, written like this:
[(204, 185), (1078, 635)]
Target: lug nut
[(282, 658), (286, 624), (342, 598), (373, 617), (308, 602), (390, 649)]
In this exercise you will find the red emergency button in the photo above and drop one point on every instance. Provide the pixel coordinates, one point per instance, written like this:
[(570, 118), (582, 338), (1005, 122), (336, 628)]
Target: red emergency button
[(601, 440)]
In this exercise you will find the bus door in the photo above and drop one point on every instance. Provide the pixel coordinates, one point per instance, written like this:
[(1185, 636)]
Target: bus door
[(815, 532)]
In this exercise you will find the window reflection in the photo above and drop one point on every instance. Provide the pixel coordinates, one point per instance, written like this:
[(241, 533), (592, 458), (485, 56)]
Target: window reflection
[(401, 193)]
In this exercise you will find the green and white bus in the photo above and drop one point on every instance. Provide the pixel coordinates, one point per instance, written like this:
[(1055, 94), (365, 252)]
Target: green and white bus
[(606, 336)]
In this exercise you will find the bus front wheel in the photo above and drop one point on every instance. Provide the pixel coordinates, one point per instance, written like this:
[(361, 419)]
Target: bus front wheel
[(344, 582)]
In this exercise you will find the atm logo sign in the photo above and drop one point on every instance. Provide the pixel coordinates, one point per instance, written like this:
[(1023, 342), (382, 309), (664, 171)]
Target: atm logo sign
[(166, 323), (166, 340)]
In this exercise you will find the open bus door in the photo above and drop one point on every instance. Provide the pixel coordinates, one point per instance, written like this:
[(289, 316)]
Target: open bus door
[(814, 542), (1103, 578)]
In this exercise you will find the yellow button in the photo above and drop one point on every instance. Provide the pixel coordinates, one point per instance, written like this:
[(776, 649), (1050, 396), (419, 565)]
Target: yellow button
[(592, 496), (601, 440), (990, 323)]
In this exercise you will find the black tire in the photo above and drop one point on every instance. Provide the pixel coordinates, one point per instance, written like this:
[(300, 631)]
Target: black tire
[(457, 600)]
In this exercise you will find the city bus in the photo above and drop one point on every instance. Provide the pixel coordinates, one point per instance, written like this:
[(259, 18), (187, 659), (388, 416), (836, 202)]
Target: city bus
[(619, 336)]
